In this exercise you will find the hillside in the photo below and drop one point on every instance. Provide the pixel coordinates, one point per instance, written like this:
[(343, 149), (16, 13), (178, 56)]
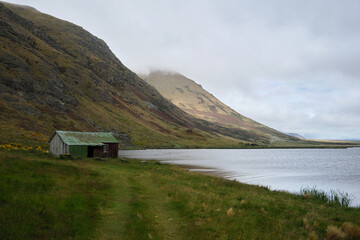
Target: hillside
[(193, 99), (55, 75)]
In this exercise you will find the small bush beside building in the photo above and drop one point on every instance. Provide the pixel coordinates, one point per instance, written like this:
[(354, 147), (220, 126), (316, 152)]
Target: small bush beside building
[(84, 144)]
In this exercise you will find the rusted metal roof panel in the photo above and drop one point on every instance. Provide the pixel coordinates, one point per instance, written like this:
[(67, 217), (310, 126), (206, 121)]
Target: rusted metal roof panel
[(86, 138)]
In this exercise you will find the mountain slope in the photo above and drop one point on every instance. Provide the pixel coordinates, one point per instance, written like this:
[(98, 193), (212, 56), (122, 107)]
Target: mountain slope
[(54, 75), (193, 99)]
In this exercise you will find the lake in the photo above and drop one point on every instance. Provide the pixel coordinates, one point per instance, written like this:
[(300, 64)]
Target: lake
[(279, 169)]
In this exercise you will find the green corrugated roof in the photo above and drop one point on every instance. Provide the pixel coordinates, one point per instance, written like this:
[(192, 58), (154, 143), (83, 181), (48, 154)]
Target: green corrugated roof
[(86, 138)]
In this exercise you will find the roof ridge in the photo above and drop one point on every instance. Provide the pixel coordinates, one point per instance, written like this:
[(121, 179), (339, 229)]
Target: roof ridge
[(80, 132), (86, 138)]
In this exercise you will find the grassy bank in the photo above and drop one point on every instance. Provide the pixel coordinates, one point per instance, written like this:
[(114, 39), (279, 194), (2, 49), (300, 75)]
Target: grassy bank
[(45, 198)]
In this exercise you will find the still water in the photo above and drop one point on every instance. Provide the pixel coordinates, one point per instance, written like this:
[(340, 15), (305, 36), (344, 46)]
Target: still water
[(279, 169)]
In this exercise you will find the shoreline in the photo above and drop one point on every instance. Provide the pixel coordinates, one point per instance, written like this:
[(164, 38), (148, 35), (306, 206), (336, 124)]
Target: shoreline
[(271, 180), (339, 146), (224, 174)]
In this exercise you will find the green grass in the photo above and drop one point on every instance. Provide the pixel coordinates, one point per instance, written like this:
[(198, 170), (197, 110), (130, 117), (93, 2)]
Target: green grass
[(46, 198)]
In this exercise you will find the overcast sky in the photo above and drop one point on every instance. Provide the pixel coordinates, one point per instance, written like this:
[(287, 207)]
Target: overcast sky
[(291, 65)]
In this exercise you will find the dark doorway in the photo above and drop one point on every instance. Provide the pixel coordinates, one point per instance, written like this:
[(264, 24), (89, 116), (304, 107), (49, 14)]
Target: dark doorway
[(95, 151)]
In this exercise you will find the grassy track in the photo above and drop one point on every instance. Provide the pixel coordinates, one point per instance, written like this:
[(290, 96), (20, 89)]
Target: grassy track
[(45, 198)]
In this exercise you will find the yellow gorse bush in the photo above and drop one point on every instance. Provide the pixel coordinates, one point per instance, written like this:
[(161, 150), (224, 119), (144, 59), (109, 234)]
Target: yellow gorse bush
[(18, 146)]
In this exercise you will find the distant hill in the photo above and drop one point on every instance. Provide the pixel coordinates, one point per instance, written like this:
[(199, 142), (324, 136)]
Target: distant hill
[(193, 99), (55, 75)]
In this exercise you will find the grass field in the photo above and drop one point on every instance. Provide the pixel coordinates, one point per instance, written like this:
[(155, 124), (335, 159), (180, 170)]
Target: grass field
[(42, 197)]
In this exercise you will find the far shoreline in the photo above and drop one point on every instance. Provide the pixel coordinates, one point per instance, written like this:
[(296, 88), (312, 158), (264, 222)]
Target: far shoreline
[(330, 146)]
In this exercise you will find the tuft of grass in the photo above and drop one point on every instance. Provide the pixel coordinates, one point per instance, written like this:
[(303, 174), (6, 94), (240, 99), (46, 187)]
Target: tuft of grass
[(339, 198), (262, 210), (230, 212), (334, 233), (313, 236), (351, 230), (242, 202), (305, 223)]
